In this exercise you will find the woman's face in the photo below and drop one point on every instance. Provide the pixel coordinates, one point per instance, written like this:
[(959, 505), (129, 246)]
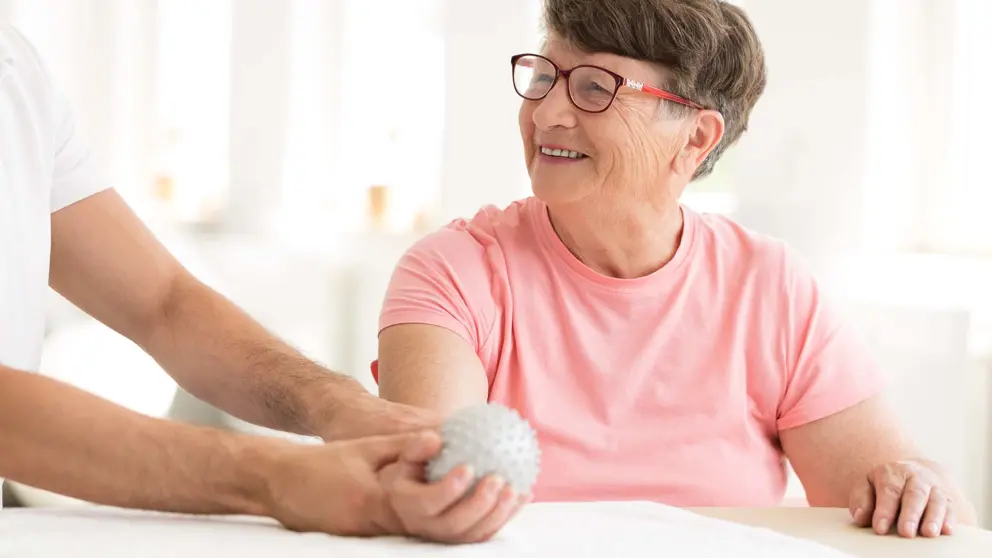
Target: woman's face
[(633, 151)]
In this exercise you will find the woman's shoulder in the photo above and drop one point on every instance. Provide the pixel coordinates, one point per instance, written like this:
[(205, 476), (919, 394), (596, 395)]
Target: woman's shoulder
[(730, 241), (491, 227), (476, 244)]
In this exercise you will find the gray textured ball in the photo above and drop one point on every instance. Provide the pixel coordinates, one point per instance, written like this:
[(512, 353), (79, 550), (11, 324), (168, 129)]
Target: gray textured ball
[(492, 439)]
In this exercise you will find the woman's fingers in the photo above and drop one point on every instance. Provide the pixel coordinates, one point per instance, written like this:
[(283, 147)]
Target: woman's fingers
[(459, 523), (419, 501), (862, 503), (507, 507), (936, 514), (915, 500), (888, 486)]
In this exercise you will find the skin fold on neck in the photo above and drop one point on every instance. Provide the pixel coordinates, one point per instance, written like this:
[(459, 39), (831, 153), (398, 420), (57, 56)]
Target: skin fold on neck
[(623, 240)]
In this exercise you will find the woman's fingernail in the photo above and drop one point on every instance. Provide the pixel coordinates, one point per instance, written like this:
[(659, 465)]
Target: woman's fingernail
[(883, 525), (911, 527), (494, 485), (932, 529), (857, 514), (465, 474), (508, 494)]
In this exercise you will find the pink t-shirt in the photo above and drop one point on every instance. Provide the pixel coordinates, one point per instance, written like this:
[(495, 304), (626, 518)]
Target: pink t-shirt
[(670, 387)]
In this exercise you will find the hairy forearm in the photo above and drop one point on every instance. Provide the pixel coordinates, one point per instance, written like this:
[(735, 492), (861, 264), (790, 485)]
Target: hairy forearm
[(221, 355), (64, 440)]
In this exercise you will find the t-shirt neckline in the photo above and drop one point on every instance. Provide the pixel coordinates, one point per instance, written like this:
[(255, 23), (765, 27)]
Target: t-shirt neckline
[(539, 213)]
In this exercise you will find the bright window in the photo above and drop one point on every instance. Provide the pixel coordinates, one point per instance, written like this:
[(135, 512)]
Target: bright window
[(966, 227), (193, 107), (392, 107)]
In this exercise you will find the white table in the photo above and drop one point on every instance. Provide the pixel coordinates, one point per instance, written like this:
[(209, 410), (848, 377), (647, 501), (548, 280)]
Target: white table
[(568, 530), (833, 527)]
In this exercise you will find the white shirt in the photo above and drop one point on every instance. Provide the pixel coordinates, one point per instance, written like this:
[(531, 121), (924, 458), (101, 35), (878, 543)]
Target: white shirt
[(44, 167)]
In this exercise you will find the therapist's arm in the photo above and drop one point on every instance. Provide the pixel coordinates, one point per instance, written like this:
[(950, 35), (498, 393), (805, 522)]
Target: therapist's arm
[(860, 458), (65, 440), (430, 367), (110, 265), (62, 439)]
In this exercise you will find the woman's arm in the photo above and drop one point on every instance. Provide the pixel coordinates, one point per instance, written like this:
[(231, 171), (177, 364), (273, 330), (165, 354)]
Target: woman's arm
[(839, 455), (431, 367)]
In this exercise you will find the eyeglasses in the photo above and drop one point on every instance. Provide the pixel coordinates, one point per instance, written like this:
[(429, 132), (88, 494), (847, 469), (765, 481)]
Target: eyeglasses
[(590, 88)]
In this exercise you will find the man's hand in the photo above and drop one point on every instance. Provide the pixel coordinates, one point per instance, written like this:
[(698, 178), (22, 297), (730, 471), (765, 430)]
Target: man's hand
[(374, 487), (448, 511), (908, 494), (366, 415), (334, 488)]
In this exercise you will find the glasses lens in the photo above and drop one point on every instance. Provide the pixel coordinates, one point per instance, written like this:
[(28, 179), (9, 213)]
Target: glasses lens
[(592, 89), (533, 77)]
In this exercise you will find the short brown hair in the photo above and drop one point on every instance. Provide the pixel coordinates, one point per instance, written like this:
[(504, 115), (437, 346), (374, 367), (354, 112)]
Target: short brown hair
[(708, 47)]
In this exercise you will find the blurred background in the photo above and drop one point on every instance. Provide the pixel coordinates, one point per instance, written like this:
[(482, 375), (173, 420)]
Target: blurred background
[(288, 151)]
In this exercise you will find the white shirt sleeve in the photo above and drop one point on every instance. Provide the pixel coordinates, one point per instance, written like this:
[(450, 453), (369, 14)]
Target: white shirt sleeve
[(72, 168), (74, 176)]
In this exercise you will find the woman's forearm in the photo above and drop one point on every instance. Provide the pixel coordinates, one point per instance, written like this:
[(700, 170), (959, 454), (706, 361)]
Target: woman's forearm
[(64, 440)]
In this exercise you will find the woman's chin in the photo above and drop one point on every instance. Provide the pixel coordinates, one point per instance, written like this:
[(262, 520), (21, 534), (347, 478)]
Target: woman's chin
[(555, 192)]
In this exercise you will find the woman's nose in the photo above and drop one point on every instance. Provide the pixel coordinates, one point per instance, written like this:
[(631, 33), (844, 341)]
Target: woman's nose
[(555, 109)]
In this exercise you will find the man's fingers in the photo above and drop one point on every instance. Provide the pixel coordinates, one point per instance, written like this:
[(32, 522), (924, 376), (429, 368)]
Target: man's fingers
[(915, 497), (888, 497), (387, 521), (382, 450), (935, 515), (862, 503), (422, 448)]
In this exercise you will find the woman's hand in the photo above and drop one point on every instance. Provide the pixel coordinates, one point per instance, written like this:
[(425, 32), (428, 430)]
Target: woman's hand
[(908, 494), (448, 511)]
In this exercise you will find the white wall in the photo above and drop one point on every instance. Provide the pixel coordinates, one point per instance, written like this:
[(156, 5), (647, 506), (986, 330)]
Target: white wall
[(483, 151)]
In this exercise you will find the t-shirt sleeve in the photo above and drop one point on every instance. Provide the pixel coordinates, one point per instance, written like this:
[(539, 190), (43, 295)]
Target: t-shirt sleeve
[(74, 171), (829, 369), (75, 175), (443, 280)]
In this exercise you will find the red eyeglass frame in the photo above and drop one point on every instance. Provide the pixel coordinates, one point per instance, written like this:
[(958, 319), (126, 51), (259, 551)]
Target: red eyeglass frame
[(621, 81)]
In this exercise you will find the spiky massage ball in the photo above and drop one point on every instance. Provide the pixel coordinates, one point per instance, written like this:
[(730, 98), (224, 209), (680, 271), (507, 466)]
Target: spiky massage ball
[(492, 439)]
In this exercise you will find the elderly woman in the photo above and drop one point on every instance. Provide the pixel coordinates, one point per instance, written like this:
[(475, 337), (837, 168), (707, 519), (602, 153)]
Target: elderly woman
[(661, 354)]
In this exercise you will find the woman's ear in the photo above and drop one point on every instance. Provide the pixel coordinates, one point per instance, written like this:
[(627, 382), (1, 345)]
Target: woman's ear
[(703, 134)]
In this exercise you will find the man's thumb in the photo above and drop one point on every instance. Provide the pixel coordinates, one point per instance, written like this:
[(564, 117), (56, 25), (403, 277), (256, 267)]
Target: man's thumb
[(379, 451), (422, 447)]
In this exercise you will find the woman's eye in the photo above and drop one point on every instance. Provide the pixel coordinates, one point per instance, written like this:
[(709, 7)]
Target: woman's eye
[(594, 87)]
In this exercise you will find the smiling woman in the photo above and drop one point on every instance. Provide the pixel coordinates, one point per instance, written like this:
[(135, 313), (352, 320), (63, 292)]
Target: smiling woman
[(660, 353)]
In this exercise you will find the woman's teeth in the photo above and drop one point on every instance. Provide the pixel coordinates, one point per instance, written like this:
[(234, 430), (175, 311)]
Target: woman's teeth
[(562, 153)]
